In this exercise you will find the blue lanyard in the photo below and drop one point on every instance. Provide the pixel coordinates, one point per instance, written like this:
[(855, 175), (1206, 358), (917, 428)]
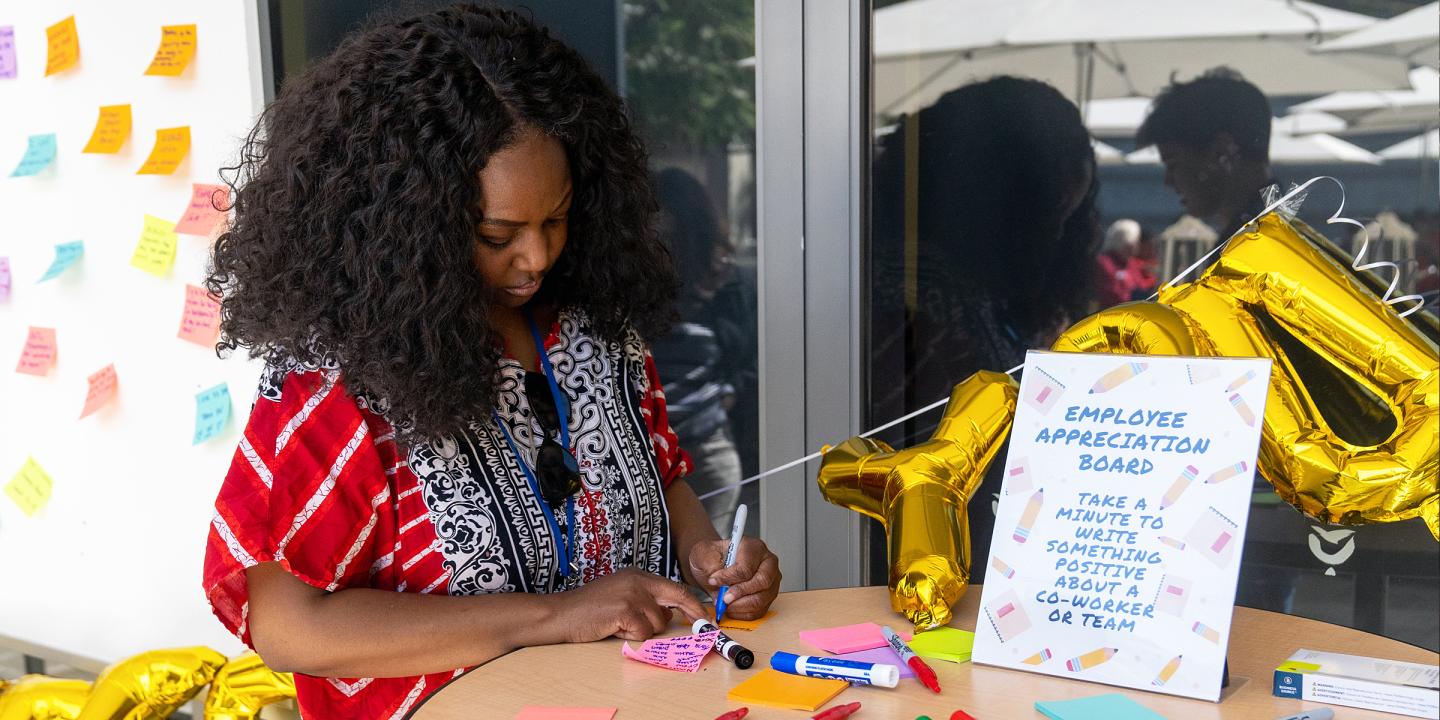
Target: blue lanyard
[(565, 541)]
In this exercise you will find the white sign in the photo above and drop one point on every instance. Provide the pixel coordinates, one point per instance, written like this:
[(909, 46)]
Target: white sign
[(1121, 519)]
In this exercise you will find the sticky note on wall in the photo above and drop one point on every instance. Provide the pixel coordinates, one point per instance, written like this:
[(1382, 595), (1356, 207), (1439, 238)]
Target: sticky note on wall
[(8, 67), (203, 213), (103, 386), (66, 255), (40, 352), (39, 153), (4, 279), (64, 46), (111, 131), (212, 412), (171, 147), (200, 320), (177, 49), (155, 252), (30, 488)]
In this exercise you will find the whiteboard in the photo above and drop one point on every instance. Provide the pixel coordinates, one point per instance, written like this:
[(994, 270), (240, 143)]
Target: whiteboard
[(112, 566)]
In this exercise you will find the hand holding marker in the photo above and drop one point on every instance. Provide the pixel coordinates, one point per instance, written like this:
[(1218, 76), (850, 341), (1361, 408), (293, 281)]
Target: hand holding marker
[(923, 672), (736, 532)]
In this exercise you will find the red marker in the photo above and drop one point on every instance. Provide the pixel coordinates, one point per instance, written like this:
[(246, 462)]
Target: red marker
[(923, 672), (839, 712), (735, 714), (960, 715)]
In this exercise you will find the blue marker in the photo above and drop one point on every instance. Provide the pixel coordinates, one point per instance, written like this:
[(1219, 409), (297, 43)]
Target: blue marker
[(861, 673), (735, 533)]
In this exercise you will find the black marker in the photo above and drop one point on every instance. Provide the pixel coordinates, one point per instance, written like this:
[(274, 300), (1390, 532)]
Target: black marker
[(725, 647)]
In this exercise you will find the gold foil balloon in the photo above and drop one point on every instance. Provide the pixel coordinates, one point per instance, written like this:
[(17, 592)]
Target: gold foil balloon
[(243, 686), (921, 494), (37, 697), (1353, 411), (152, 684)]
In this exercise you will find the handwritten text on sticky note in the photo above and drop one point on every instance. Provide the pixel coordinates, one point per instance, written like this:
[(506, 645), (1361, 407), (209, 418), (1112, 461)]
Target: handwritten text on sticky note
[(30, 488), (111, 129), (171, 147), (40, 352), (200, 320), (5, 279), (66, 255), (64, 49), (203, 212), (212, 412), (678, 653), (155, 253), (103, 384), (177, 48), (39, 153), (8, 66)]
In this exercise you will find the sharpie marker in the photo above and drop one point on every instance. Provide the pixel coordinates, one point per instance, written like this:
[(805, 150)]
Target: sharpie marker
[(725, 647), (860, 673), (1317, 714), (923, 672)]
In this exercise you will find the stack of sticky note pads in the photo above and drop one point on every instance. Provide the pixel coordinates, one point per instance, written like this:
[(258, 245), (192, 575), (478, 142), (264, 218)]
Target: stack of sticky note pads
[(1363, 682)]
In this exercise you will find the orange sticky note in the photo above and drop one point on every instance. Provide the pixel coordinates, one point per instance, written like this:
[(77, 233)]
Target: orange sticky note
[(201, 215), (177, 49), (111, 130), (103, 385), (64, 50), (730, 623), (535, 712), (171, 146), (155, 253), (30, 488), (778, 689), (40, 352), (200, 321)]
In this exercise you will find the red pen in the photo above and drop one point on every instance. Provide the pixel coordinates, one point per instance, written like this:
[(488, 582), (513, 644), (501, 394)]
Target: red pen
[(735, 714), (960, 715), (839, 712), (923, 672)]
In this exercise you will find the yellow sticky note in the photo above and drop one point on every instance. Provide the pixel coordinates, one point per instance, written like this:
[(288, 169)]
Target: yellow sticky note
[(944, 643), (730, 623), (778, 689), (1298, 666), (30, 488), (155, 253), (177, 49), (111, 130), (64, 50), (171, 146)]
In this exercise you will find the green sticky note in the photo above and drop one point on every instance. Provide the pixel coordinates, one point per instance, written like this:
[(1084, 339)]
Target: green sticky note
[(1113, 706), (946, 643)]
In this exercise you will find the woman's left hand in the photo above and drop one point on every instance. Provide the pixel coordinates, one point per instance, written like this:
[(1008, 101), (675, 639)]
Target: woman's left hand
[(754, 579)]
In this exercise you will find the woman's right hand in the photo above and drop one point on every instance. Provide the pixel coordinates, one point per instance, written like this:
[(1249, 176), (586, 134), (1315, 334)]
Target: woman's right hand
[(630, 604)]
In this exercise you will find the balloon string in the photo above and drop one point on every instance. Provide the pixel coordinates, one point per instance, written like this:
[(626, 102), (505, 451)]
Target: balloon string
[(1282, 203)]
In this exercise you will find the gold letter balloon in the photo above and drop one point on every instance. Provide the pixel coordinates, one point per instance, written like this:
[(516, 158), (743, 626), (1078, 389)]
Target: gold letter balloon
[(151, 685), (37, 697), (244, 686)]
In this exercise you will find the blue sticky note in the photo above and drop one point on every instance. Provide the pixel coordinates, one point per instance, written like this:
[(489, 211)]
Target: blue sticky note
[(8, 65), (38, 155), (1113, 706), (212, 412), (66, 254)]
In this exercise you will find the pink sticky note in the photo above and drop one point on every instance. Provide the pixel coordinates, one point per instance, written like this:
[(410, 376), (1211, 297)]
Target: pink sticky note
[(879, 656), (103, 385), (678, 653), (200, 215), (535, 712), (200, 321), (847, 638), (40, 352)]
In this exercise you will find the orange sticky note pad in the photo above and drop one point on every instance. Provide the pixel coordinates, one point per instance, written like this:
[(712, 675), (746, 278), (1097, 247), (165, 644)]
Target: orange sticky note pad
[(40, 352), (155, 253), (103, 385), (778, 689), (730, 623), (171, 147), (30, 488), (535, 712), (64, 46), (200, 321), (111, 130), (201, 214), (177, 49)]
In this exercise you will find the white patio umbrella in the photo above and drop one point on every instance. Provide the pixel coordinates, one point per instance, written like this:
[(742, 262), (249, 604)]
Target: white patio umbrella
[(1114, 48), (1107, 154), (1384, 110), (1287, 149), (1416, 148), (1413, 35), (1122, 117)]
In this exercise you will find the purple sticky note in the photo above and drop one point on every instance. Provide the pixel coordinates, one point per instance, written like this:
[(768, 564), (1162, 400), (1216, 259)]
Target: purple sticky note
[(879, 656), (4, 279), (7, 51)]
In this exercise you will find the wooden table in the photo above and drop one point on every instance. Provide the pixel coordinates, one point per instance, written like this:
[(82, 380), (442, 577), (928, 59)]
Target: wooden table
[(594, 674)]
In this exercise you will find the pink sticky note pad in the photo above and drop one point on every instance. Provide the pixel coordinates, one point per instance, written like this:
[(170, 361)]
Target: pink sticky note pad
[(683, 653), (200, 215), (103, 385), (535, 712), (847, 638), (879, 656), (39, 353), (200, 320)]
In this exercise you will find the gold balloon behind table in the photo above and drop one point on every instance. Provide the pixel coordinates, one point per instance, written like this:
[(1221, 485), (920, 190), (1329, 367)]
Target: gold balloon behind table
[(151, 685), (37, 697), (921, 494), (243, 686), (1353, 412)]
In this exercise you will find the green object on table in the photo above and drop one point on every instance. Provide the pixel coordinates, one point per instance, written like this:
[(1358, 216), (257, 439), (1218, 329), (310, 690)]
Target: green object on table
[(945, 643), (922, 717)]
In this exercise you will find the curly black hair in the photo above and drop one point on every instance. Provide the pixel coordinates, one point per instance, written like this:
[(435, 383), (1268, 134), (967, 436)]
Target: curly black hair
[(356, 203)]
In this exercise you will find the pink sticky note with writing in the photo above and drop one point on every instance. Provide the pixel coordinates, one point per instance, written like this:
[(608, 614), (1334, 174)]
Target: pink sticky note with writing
[(535, 712), (40, 352), (848, 638), (678, 653), (879, 656), (200, 215), (103, 385), (200, 320)]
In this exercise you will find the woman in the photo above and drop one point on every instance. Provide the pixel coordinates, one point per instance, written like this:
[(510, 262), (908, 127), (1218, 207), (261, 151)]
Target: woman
[(441, 248)]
